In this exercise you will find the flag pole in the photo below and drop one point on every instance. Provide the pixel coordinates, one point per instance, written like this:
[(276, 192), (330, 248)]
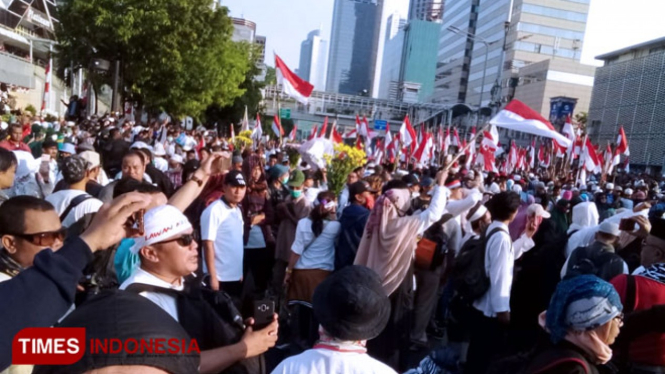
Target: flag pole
[(463, 149), (580, 166)]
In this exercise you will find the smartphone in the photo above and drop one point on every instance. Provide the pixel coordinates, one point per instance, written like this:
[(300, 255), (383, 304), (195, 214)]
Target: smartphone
[(264, 311), (627, 224), (135, 224)]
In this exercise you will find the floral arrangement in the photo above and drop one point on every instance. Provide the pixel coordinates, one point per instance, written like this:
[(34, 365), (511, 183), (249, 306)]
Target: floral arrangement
[(294, 155), (341, 163), (243, 140)]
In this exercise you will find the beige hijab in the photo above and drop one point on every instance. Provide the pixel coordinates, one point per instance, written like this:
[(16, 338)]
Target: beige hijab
[(389, 240)]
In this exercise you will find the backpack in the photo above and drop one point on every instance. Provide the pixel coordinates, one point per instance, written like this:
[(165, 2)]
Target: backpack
[(534, 362), (469, 275), (211, 318), (437, 235)]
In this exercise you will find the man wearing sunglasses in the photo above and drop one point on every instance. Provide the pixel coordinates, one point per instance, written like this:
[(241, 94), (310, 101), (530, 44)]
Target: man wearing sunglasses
[(168, 253), (28, 225)]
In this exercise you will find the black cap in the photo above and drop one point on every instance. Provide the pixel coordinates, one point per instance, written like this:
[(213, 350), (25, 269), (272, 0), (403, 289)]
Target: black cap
[(351, 304), (125, 315), (410, 179), (235, 179)]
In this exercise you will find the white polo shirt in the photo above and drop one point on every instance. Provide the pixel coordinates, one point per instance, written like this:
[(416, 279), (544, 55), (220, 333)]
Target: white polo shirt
[(224, 226), (62, 199), (164, 301), (324, 361)]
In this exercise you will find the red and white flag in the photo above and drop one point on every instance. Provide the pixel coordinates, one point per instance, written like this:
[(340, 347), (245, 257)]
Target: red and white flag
[(277, 126), (455, 142), (568, 129), (294, 131), (233, 133), (334, 135), (446, 141), (488, 147), (512, 157), (46, 99), (609, 160), (324, 128), (313, 132), (245, 122), (519, 117), (407, 135), (592, 163), (532, 154), (423, 152), (350, 134), (257, 133), (292, 85), (622, 147)]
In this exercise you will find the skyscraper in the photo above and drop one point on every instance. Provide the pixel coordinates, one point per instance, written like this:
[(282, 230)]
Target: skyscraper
[(531, 30), (426, 10), (353, 46), (313, 60)]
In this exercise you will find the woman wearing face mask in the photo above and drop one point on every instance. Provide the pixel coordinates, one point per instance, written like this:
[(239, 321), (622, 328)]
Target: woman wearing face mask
[(388, 247), (288, 214), (257, 215), (313, 251), (582, 320)]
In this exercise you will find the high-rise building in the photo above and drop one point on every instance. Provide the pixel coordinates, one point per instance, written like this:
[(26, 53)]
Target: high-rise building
[(531, 31), (392, 57), (426, 10), (629, 91), (313, 60), (261, 42), (354, 42), (243, 30)]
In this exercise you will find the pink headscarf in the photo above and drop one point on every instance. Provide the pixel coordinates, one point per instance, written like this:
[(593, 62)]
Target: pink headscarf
[(389, 240)]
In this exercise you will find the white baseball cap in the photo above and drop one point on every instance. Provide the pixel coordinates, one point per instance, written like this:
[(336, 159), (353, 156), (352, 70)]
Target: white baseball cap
[(537, 209)]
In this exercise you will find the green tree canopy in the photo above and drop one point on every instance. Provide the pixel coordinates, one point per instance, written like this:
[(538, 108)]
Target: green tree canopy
[(177, 55)]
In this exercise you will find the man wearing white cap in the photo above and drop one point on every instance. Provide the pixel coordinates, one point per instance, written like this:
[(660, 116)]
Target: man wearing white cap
[(598, 258), (174, 172), (168, 253)]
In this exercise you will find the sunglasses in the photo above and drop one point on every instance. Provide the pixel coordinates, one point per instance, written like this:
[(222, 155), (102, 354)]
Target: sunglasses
[(184, 240), (44, 239)]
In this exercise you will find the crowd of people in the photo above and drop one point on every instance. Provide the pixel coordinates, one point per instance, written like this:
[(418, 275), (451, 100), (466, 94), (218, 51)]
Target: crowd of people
[(141, 230)]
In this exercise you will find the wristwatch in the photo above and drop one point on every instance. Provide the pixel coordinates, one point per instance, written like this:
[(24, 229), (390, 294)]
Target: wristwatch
[(197, 180)]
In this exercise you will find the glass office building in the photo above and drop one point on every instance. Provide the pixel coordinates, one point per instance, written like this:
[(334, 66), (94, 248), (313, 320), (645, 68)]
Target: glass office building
[(353, 46)]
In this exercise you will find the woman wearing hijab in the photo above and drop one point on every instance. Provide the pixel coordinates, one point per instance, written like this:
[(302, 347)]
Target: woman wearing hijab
[(387, 247), (313, 250), (583, 320), (560, 216), (257, 216)]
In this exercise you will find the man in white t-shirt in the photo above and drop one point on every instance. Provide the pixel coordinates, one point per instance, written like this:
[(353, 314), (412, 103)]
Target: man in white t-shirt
[(351, 307), (222, 233), (74, 203)]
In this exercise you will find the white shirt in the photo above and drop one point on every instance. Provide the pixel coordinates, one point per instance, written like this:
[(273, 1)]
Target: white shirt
[(327, 361), (500, 259), (61, 200), (319, 252), (164, 301), (224, 226)]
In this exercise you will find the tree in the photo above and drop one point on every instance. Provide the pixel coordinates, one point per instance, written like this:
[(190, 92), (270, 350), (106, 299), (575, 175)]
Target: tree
[(176, 55), (271, 76), (581, 119)]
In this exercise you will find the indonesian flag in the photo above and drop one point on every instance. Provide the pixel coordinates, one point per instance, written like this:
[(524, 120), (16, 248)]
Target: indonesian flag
[(423, 152), (351, 134), (365, 130), (292, 134), (592, 162), (359, 130), (245, 122), (568, 129), (324, 128), (541, 155), (439, 139), (233, 133), (334, 135), (609, 160), (407, 135), (47, 84), (292, 84), (277, 126), (446, 141), (512, 156), (471, 150), (378, 152), (488, 147), (622, 147), (313, 132), (257, 133), (455, 140), (532, 154), (559, 149), (359, 144), (519, 117)]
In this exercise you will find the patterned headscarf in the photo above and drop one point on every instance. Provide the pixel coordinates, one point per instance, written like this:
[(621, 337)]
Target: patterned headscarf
[(581, 303)]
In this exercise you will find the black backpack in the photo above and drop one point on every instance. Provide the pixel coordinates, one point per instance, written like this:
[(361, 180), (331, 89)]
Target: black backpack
[(211, 318), (437, 234), (469, 276), (594, 261)]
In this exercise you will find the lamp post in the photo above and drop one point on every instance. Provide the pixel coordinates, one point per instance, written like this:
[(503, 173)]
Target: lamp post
[(487, 44)]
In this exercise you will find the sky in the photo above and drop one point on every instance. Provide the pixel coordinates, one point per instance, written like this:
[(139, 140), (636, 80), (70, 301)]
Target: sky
[(612, 24)]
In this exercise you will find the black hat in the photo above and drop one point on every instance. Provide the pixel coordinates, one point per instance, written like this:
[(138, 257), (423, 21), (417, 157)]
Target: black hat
[(410, 179), (125, 315), (351, 304), (235, 179)]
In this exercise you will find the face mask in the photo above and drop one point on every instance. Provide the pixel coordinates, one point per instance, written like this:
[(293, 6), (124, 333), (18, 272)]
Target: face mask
[(169, 138), (285, 180), (296, 193)]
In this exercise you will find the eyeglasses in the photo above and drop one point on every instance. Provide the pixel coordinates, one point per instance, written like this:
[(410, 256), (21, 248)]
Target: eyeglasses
[(184, 240), (44, 239), (619, 317)]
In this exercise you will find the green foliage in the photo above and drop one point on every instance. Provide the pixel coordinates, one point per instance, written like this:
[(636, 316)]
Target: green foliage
[(30, 108), (177, 55), (271, 76)]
